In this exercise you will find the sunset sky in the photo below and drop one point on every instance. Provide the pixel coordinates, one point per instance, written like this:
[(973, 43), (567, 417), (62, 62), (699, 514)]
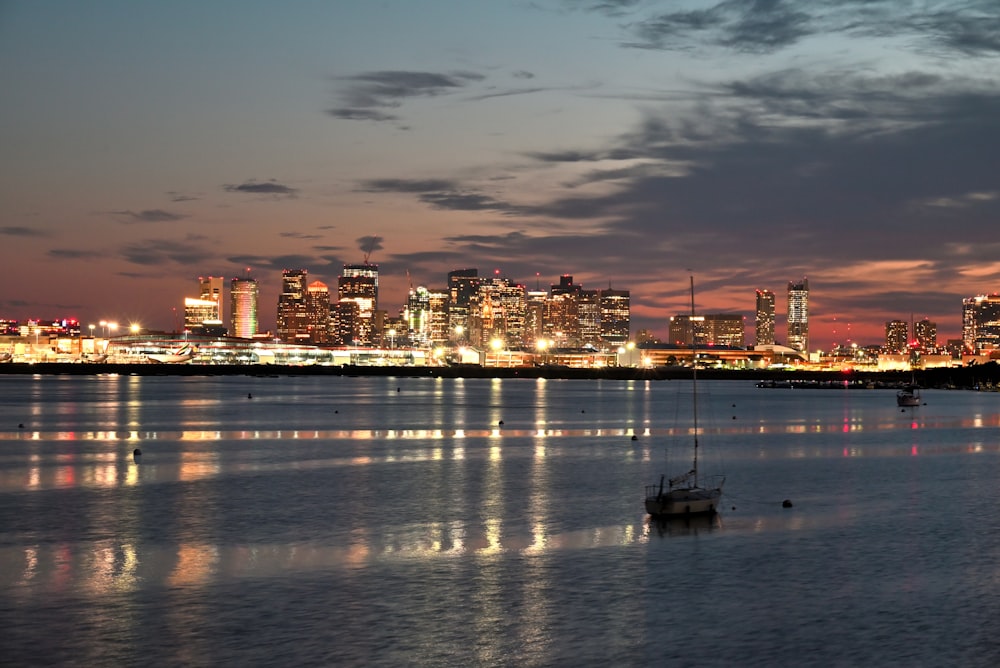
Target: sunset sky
[(630, 143)]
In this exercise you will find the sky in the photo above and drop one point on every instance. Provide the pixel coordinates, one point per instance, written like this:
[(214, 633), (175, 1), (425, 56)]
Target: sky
[(627, 143)]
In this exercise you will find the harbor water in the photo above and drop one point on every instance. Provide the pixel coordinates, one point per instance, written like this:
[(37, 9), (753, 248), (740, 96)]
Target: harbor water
[(342, 521)]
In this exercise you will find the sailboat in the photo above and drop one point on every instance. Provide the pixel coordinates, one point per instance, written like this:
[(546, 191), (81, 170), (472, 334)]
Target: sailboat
[(909, 396), (686, 494)]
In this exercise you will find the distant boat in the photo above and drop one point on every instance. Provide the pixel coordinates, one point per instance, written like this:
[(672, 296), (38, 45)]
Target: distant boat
[(685, 494)]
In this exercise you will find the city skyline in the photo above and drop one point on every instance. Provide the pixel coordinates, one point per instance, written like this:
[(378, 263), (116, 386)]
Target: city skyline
[(628, 143)]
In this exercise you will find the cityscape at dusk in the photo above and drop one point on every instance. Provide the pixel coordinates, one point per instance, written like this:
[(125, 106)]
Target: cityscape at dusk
[(627, 143)]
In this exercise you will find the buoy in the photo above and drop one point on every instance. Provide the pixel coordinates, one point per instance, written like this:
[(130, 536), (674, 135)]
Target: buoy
[(786, 503), (734, 507), (634, 437), (397, 389), (734, 417), (249, 396), (136, 452), (734, 405), (336, 411), (20, 425), (582, 411), (500, 423)]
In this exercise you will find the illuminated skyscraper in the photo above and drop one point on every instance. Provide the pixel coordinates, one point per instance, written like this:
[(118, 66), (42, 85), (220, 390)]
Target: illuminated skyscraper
[(358, 283), (318, 312), (211, 290), (293, 324), (798, 315), (765, 318), (463, 291), (243, 293), (896, 336), (981, 322), (616, 317), (925, 332), (199, 313)]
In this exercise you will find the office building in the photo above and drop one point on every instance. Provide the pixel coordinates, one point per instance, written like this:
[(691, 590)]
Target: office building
[(358, 283), (764, 331), (615, 306), (463, 291), (293, 323), (925, 333), (210, 289), (798, 315), (318, 312), (981, 323), (243, 295), (896, 336)]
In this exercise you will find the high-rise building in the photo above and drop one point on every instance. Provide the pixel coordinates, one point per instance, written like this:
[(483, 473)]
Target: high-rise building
[(588, 308), (210, 289), (615, 317), (318, 312), (798, 315), (765, 318), (925, 333), (463, 291), (243, 294), (358, 283), (896, 336), (499, 313), (981, 322), (199, 314), (293, 324), (711, 329)]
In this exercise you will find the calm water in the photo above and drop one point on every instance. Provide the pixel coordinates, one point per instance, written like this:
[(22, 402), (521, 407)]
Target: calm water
[(394, 521)]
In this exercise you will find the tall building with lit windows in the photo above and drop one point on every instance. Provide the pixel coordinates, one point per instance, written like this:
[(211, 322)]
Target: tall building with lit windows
[(292, 320), (318, 312), (358, 283), (798, 315), (616, 317), (896, 336), (463, 292), (243, 294), (210, 289), (981, 323), (925, 333), (765, 318)]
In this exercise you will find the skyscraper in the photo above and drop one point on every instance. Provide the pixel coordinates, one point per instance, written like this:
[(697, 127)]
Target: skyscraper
[(243, 293), (463, 290), (925, 332), (358, 283), (318, 312), (292, 320), (981, 322), (798, 315), (211, 290), (765, 318), (896, 336), (616, 317)]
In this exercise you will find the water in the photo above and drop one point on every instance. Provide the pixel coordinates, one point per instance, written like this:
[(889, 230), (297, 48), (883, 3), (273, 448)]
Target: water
[(394, 521)]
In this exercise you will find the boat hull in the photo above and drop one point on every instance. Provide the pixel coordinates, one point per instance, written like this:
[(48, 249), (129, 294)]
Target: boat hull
[(684, 502), (907, 400)]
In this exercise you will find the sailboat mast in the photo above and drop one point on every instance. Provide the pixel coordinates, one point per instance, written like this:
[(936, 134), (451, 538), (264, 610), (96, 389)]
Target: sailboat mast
[(694, 383)]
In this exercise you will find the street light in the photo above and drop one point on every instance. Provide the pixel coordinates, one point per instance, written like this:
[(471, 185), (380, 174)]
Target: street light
[(392, 339), (113, 326), (91, 327), (135, 328), (104, 325)]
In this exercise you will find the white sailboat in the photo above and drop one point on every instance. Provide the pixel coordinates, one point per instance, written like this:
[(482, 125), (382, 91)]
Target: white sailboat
[(686, 494)]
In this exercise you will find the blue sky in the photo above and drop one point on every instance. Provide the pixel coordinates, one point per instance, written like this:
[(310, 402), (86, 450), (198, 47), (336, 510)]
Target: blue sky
[(854, 142)]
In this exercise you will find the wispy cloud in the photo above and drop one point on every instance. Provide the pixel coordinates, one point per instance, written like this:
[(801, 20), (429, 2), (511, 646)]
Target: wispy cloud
[(254, 187), (442, 194), (75, 254), (18, 231), (365, 96), (148, 216), (191, 251)]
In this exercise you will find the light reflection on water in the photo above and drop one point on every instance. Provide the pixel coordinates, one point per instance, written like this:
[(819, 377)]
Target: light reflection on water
[(435, 535)]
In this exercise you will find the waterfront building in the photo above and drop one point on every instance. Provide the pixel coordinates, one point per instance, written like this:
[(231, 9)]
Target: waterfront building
[(764, 331), (200, 314), (615, 306), (534, 317), (798, 315), (981, 323), (243, 295), (499, 314), (925, 333), (562, 320), (318, 312), (358, 283), (344, 323), (426, 317), (588, 311), (463, 292), (293, 323), (210, 289), (711, 329), (896, 336)]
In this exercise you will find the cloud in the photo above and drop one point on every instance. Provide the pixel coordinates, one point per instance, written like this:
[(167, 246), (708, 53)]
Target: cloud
[(192, 251), (299, 235), (18, 231), (180, 197), (148, 216), (74, 254), (271, 187), (441, 194), (366, 95)]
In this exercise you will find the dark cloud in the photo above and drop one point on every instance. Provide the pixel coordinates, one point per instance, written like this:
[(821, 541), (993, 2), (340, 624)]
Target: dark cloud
[(18, 231), (442, 194), (369, 243), (271, 187), (148, 216), (299, 235), (366, 95), (522, 74), (192, 251), (74, 254), (180, 197)]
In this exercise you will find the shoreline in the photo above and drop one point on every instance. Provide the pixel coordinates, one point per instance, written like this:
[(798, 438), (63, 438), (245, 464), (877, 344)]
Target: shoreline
[(959, 377)]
